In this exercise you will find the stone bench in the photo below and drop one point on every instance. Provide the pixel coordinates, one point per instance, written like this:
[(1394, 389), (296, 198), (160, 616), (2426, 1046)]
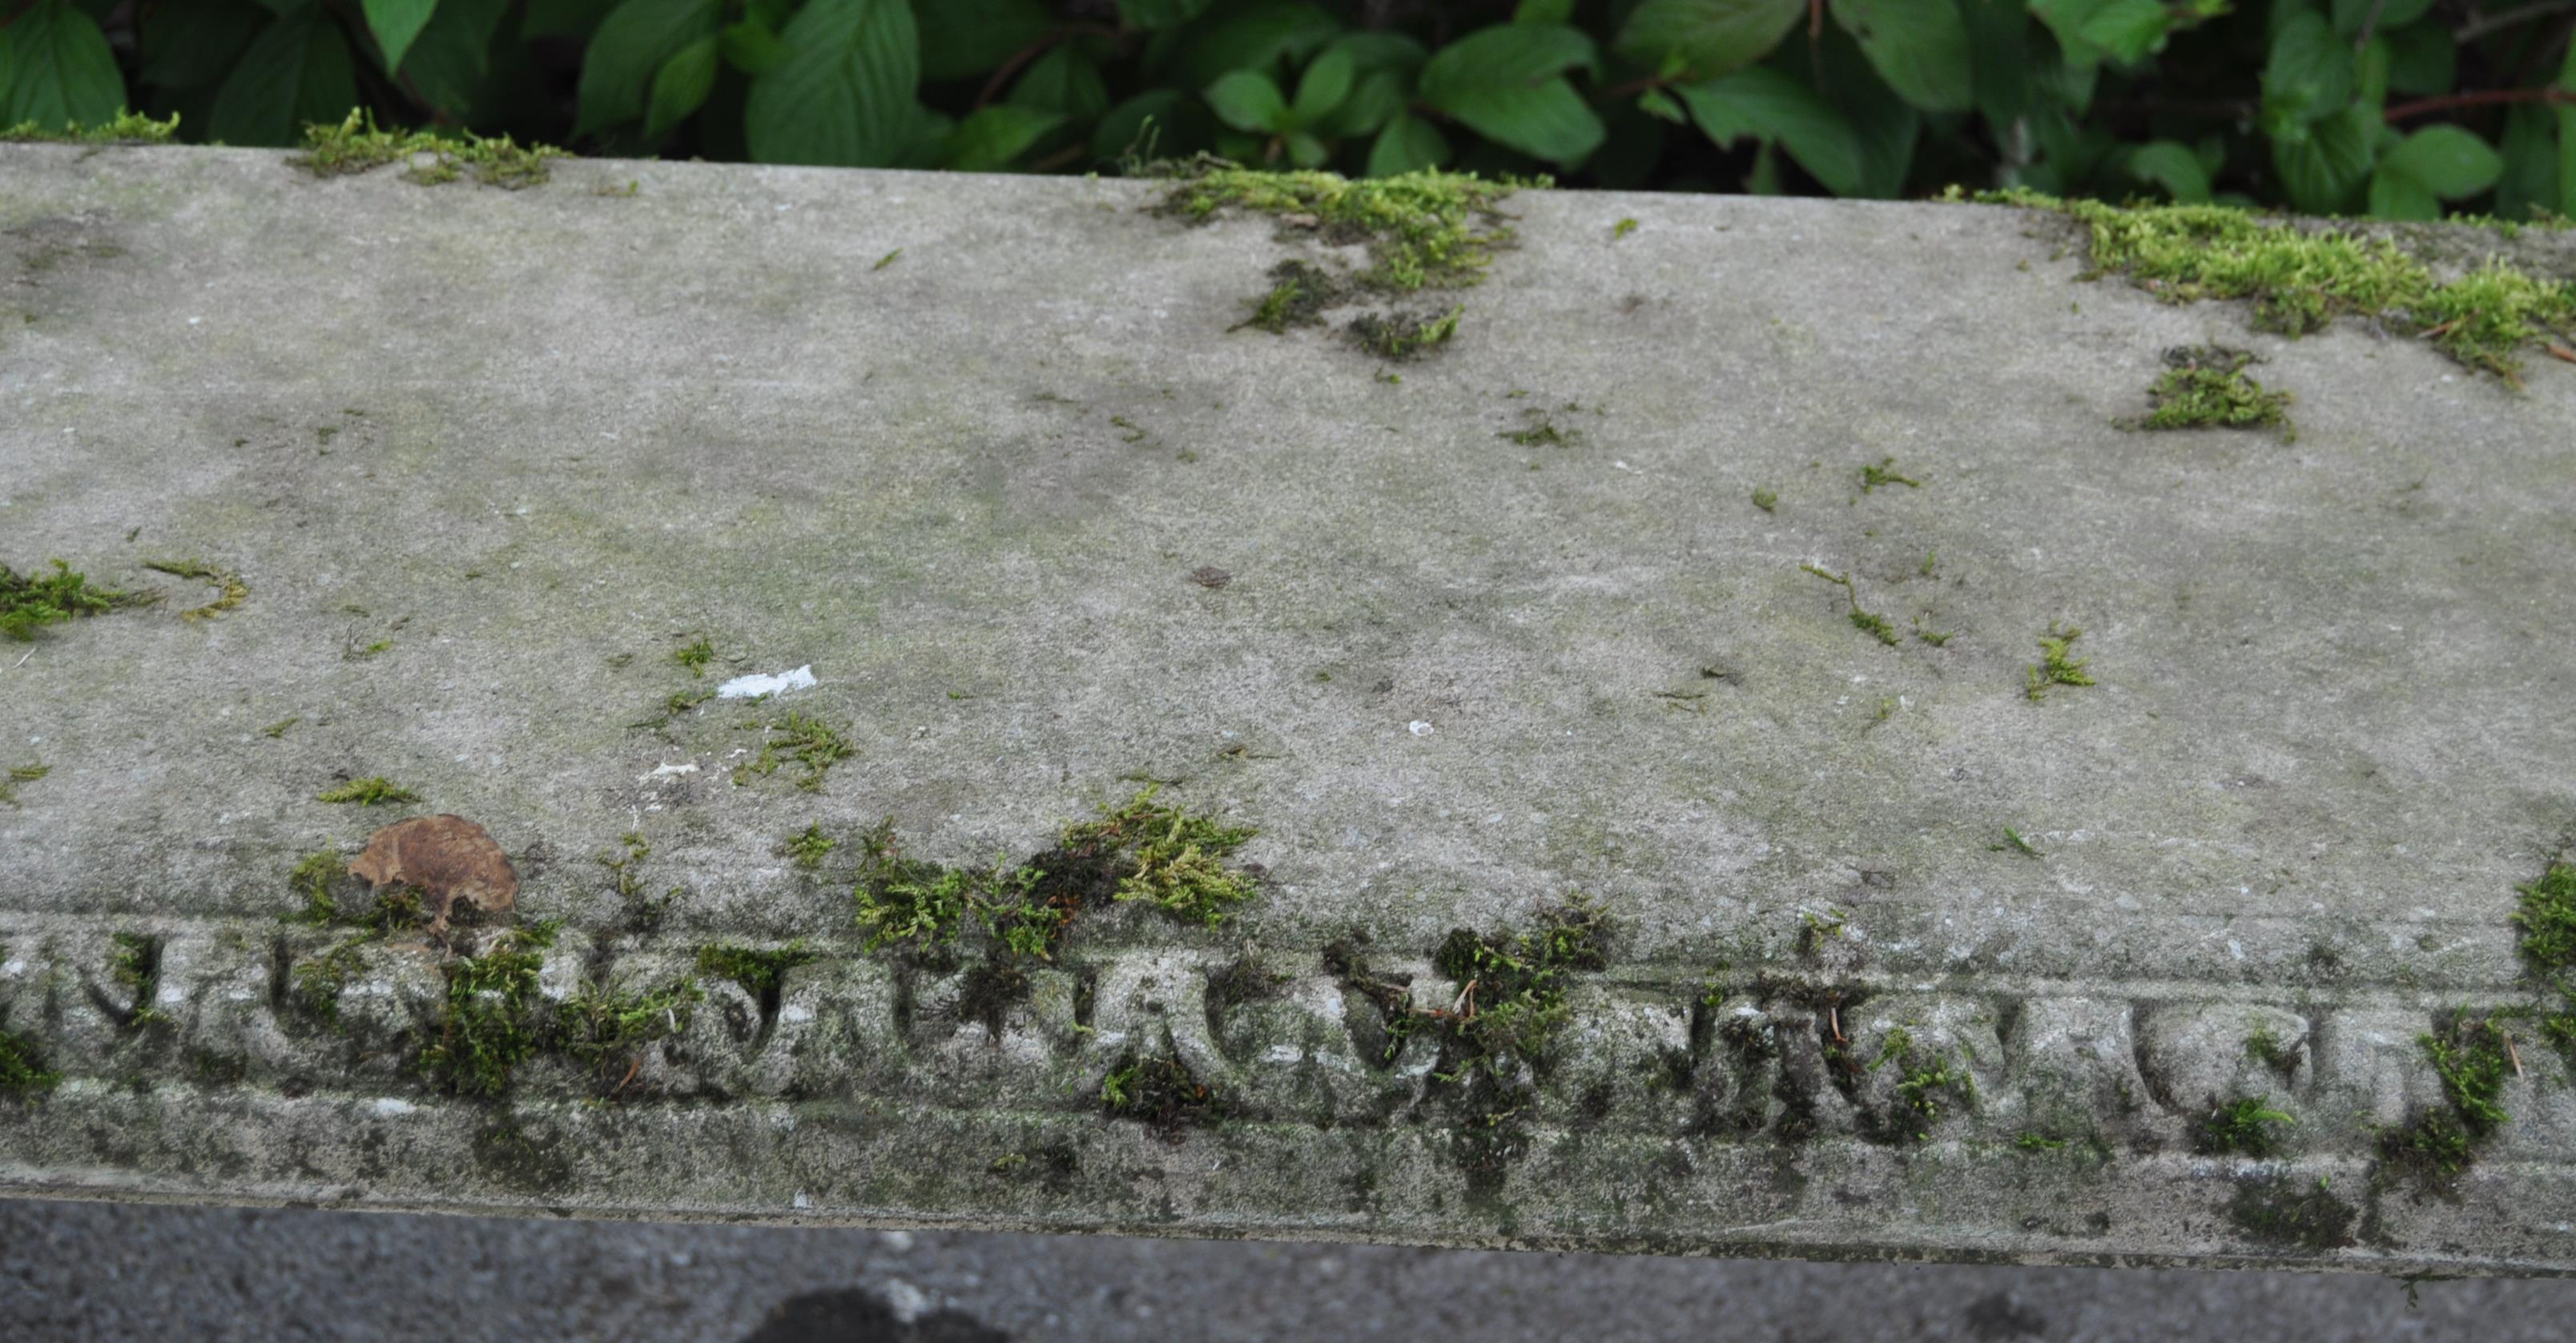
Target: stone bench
[(1688, 818)]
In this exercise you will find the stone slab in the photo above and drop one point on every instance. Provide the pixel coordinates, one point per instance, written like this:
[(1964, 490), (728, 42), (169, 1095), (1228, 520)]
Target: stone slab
[(485, 460)]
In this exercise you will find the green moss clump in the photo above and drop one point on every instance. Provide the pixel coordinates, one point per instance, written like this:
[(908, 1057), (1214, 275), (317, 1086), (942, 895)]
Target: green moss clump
[(319, 981), (18, 774), (356, 145), (1766, 500), (313, 878), (1927, 1081), (2470, 1055), (811, 846), (2057, 664), (126, 128), (2301, 276), (368, 792), (1425, 228), (1404, 335), (1162, 1093), (229, 587), (1874, 475), (606, 1030), (487, 1030), (1172, 859), (798, 739), (696, 656), (1299, 294), (134, 965), (2206, 387), (2547, 918), (34, 599), (1870, 623), (2243, 1126), (23, 1074), (758, 972)]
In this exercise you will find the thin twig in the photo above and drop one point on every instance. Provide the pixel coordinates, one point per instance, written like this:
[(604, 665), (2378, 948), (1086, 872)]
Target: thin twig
[(2488, 23), (2477, 98)]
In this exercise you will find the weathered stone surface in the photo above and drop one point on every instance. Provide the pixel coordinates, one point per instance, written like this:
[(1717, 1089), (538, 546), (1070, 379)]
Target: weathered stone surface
[(534, 444)]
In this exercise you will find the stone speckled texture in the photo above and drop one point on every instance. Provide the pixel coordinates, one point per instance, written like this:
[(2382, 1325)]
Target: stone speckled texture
[(535, 443)]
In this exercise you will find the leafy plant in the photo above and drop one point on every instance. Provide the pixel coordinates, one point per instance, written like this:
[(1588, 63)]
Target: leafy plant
[(2396, 108)]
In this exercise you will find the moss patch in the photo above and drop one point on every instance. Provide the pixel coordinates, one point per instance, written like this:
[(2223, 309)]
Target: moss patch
[(229, 588), (2547, 918), (800, 740), (23, 1074), (2301, 275), (1403, 335), (486, 1031), (2057, 663), (18, 774), (127, 128), (357, 145), (606, 1030), (1161, 1093), (1299, 295), (368, 792), (2470, 1055), (34, 599), (2205, 387), (2291, 1214), (2244, 1126), (759, 972), (1422, 229), (1929, 1084), (1867, 622)]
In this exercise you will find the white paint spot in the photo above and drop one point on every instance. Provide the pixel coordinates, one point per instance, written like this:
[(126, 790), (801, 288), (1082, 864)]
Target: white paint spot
[(908, 1302), (795, 1014), (194, 320), (1418, 728), (1282, 1054), (748, 687), (897, 1241), (668, 771), (389, 1105), (804, 1202)]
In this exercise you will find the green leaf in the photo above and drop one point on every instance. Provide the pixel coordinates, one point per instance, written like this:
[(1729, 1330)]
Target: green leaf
[(751, 46), (297, 72), (990, 139), (2090, 31), (1326, 83), (2173, 166), (1999, 50), (1503, 82), (2309, 73), (395, 23), (1064, 80), (2530, 151), (1920, 47), (1375, 100), (1152, 14), (683, 82), (1768, 105), (1306, 151), (56, 68), (2422, 59), (1705, 38), (2383, 15), (1543, 11), (2567, 160), (632, 45), (1884, 124), (963, 38), (846, 98), (191, 43), (2394, 195), (1408, 144), (1248, 102), (450, 64), (1381, 51), (2450, 162), (1252, 38), (564, 18), (1660, 105), (2323, 162)]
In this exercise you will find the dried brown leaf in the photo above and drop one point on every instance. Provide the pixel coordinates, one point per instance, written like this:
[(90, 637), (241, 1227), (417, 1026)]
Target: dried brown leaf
[(447, 858)]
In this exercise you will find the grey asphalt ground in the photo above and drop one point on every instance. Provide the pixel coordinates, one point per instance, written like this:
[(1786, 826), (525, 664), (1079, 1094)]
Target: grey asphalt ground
[(101, 1271)]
